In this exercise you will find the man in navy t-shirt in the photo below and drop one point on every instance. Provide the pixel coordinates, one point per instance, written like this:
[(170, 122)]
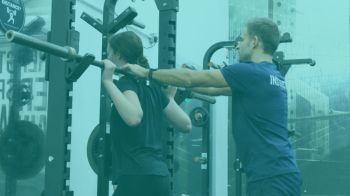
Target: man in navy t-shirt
[(259, 108)]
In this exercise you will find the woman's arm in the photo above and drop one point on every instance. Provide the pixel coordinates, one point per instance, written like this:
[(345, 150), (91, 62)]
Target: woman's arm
[(126, 103), (174, 113)]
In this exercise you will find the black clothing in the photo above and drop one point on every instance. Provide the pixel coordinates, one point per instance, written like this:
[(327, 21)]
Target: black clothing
[(143, 185), (139, 150)]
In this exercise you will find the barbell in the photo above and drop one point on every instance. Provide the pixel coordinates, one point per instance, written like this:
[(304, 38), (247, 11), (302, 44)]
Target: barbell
[(66, 53)]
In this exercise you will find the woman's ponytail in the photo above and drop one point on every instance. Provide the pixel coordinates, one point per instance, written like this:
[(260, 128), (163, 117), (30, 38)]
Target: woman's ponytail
[(142, 61)]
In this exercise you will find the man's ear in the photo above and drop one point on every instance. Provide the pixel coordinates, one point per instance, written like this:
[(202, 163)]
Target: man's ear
[(255, 41)]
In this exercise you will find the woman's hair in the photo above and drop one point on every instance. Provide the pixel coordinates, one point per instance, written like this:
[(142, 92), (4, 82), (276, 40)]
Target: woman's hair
[(130, 48)]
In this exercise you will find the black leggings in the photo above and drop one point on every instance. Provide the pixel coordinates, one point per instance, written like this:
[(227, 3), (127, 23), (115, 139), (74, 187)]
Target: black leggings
[(143, 185)]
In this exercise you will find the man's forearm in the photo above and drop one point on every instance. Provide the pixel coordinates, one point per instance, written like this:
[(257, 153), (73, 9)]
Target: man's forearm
[(179, 77), (189, 78), (174, 77)]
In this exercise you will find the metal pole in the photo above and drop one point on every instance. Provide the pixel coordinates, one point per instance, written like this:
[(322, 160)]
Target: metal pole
[(66, 52)]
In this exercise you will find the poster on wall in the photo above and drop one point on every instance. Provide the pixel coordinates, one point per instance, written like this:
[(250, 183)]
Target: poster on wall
[(12, 15), (33, 77)]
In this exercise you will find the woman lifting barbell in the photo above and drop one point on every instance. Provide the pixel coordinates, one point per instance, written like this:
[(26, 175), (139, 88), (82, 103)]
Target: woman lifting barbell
[(139, 167)]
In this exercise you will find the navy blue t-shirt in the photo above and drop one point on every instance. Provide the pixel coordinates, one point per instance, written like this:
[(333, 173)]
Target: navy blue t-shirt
[(259, 119), (139, 150)]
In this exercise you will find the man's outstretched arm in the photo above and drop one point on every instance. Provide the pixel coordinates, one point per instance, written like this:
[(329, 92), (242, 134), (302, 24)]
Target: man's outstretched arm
[(179, 77)]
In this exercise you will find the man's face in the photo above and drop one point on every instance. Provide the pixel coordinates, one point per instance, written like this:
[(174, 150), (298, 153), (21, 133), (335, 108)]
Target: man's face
[(245, 46)]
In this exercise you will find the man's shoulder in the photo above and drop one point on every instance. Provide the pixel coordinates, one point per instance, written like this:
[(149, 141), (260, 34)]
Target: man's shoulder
[(260, 67), (241, 67)]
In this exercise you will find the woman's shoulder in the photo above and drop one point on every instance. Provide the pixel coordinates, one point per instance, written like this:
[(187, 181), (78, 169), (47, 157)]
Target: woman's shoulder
[(127, 79)]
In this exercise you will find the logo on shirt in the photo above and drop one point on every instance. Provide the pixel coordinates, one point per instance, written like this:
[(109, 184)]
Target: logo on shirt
[(275, 81)]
